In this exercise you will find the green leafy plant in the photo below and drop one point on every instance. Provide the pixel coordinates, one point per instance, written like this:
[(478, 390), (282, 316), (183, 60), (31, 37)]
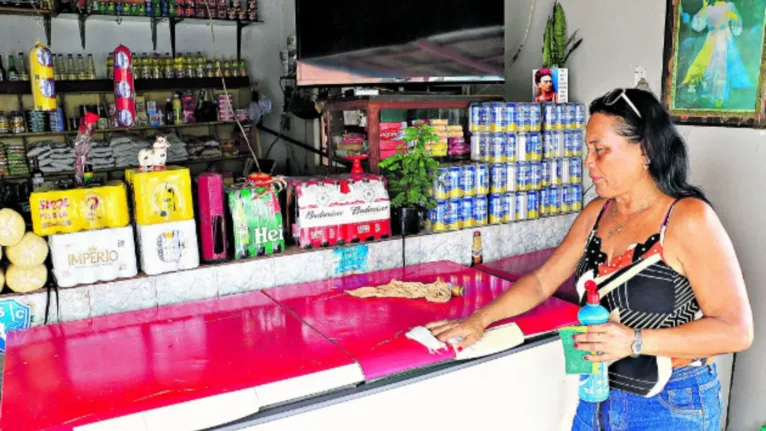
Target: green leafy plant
[(411, 175), (556, 47)]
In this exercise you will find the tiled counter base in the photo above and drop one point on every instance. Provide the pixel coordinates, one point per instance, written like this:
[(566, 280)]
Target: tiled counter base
[(293, 266)]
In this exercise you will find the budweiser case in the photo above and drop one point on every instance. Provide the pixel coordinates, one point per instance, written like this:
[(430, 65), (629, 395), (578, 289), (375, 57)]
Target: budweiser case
[(341, 210), (92, 256), (168, 247)]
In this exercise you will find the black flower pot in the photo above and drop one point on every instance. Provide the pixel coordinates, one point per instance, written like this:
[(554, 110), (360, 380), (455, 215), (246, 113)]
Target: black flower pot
[(409, 218)]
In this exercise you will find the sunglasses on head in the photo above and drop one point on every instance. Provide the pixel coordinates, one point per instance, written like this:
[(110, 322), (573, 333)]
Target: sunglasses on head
[(613, 96)]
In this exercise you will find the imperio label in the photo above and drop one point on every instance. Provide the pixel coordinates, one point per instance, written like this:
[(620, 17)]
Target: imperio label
[(93, 257)]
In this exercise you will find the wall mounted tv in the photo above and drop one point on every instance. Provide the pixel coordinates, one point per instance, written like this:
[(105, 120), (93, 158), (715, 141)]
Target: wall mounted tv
[(369, 42)]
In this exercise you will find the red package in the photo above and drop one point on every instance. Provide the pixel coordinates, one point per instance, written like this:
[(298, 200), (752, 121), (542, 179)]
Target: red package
[(392, 131), (124, 87)]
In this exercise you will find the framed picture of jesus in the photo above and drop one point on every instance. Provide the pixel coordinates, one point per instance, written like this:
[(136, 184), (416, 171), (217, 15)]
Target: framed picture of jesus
[(713, 62)]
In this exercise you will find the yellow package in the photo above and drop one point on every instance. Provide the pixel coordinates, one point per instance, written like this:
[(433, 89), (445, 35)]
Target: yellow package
[(41, 78), (73, 210), (161, 196)]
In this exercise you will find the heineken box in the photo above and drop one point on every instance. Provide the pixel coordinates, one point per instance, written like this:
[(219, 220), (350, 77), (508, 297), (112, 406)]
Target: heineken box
[(255, 219)]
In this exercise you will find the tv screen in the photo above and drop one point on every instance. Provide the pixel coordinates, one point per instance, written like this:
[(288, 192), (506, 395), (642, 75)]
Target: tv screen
[(351, 42)]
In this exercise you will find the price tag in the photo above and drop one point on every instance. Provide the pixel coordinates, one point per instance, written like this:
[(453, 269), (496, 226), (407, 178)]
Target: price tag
[(13, 315)]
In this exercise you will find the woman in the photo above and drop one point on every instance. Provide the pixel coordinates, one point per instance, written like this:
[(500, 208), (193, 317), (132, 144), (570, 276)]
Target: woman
[(666, 271)]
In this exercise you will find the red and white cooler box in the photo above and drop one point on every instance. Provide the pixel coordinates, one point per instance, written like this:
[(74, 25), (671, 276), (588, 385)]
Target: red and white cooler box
[(340, 210)]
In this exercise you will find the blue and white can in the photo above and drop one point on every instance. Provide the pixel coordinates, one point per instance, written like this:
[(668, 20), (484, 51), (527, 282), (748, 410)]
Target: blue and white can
[(554, 206), (549, 116), (484, 118), (533, 204), (438, 217), (560, 116), (547, 165), (566, 199), (511, 119), (558, 143), (578, 141), (535, 143), (569, 116), (545, 202), (482, 179), (497, 117), (453, 182), (468, 180), (569, 146), (513, 178), (579, 115), (522, 117), (522, 209), (576, 197), (557, 166), (480, 211), (474, 121), (452, 215), (476, 147), (485, 142), (535, 176), (510, 147), (522, 147), (497, 148), (523, 176), (441, 185), (508, 207), (466, 212), (498, 179), (496, 213), (547, 144), (535, 117), (575, 170)]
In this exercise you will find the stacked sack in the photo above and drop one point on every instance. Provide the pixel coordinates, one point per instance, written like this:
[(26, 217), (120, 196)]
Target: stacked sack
[(88, 232), (52, 157), (205, 147), (125, 149), (163, 211), (26, 253), (101, 155)]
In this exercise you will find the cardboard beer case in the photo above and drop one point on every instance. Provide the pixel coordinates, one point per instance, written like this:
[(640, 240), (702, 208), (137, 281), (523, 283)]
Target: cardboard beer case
[(79, 209), (256, 220), (161, 196), (93, 256), (167, 247)]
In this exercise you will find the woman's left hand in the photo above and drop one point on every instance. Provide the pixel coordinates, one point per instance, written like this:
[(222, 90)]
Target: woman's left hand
[(612, 341)]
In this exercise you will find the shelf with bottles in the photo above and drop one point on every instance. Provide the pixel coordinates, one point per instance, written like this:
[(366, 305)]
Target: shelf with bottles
[(154, 72)]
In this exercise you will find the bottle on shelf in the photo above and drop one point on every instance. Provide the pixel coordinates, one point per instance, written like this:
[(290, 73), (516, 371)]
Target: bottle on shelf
[(37, 177), (71, 70), (60, 70), (13, 74), (110, 66), (178, 115), (168, 112), (3, 76), (23, 74), (81, 71), (91, 67), (167, 64), (594, 388)]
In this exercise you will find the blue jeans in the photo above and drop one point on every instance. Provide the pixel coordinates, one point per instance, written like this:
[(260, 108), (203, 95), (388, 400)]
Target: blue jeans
[(690, 401)]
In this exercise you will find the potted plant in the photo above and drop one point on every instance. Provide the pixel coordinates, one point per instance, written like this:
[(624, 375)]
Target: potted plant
[(410, 176)]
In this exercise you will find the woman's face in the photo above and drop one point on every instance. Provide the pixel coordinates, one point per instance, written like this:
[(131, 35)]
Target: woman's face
[(546, 83), (613, 162)]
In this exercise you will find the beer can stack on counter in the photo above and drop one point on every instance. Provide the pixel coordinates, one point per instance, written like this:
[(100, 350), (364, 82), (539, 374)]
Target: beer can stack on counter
[(534, 152), (461, 193)]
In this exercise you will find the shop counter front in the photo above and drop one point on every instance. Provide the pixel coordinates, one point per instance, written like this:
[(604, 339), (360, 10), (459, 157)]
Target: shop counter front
[(307, 356)]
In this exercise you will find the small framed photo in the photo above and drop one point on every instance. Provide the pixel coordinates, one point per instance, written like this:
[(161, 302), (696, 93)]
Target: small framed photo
[(550, 85)]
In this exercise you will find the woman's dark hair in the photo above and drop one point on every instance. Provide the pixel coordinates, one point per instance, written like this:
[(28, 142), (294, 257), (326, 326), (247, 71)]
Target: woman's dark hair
[(658, 137)]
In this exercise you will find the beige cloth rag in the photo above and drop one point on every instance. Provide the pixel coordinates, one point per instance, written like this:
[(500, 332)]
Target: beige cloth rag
[(438, 291)]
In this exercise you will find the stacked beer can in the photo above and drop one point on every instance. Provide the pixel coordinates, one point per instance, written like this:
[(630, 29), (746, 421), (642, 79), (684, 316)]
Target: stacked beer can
[(534, 155)]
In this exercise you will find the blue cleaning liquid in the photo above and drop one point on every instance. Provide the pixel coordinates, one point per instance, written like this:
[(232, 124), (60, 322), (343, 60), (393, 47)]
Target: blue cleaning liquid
[(594, 388)]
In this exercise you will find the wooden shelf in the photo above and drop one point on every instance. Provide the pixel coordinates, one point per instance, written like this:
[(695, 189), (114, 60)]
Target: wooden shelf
[(107, 85), (120, 169), (30, 11), (123, 129)]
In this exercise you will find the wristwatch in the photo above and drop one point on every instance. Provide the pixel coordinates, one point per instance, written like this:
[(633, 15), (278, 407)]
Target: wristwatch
[(637, 345)]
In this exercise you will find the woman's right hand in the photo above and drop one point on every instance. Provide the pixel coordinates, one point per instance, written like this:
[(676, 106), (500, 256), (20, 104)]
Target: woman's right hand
[(467, 331)]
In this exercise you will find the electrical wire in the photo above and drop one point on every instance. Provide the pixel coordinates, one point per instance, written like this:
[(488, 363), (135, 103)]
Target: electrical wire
[(526, 33), (226, 90)]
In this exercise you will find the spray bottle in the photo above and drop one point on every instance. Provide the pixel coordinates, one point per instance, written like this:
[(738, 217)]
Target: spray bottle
[(594, 387)]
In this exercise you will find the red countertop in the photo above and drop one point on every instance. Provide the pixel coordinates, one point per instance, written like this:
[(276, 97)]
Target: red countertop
[(372, 330), (65, 375)]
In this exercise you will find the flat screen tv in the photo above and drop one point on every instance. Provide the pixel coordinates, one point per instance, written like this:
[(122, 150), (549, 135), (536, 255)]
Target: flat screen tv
[(369, 42)]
